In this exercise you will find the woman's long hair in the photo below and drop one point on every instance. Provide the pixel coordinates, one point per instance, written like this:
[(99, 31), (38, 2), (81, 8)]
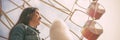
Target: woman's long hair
[(26, 15)]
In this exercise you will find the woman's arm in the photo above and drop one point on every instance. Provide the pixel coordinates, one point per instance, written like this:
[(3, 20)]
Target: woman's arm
[(17, 33)]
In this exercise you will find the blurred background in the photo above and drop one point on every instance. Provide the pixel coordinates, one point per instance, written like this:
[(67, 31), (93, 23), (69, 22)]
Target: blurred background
[(52, 9)]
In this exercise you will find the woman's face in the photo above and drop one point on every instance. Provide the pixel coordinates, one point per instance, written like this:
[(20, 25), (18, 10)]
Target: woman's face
[(36, 18)]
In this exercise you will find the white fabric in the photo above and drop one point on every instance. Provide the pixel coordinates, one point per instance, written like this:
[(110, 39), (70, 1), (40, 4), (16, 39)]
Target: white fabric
[(60, 31)]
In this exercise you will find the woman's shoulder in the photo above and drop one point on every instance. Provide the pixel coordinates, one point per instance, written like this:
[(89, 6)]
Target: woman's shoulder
[(19, 26)]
